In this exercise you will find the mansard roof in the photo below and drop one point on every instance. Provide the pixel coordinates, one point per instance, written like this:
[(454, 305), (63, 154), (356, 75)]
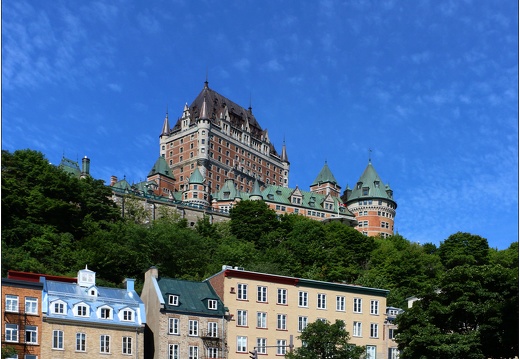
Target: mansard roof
[(325, 176), (215, 108), (161, 167), (193, 296), (376, 189)]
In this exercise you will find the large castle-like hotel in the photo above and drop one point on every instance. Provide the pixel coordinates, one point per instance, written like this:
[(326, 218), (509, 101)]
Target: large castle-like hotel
[(217, 154)]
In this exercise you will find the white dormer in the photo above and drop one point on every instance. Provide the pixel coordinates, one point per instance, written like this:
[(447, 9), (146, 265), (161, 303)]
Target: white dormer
[(105, 312), (58, 307), (126, 314), (81, 309), (86, 277), (92, 291), (173, 299)]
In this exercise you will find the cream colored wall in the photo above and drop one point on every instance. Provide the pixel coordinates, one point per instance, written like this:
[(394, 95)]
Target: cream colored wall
[(92, 343), (293, 312)]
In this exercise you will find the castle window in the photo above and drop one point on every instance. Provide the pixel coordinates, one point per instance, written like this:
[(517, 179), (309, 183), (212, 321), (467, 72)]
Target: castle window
[(203, 132), (376, 184), (181, 149), (365, 191), (173, 300), (180, 158), (203, 141), (359, 185)]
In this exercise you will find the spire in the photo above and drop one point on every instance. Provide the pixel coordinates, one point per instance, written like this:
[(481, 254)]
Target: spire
[(325, 176), (250, 104), (369, 155), (166, 125), (256, 193), (284, 152), (206, 83), (196, 177), (204, 111)]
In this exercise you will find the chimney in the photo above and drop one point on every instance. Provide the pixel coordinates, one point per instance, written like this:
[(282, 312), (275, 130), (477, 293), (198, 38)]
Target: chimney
[(152, 272), (85, 166), (113, 180), (129, 284)]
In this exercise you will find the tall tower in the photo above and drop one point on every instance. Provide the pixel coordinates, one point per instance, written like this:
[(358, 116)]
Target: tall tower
[(372, 203), (325, 183)]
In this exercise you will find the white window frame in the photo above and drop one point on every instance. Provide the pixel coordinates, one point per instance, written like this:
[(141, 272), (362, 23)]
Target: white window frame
[(302, 323), (303, 299), (173, 351), (105, 312), (241, 291), (261, 344), (241, 318), (11, 333), (173, 326), (173, 300), (31, 334), (11, 303), (281, 348), (81, 342), (212, 304), (374, 330), (212, 353), (241, 344), (281, 322), (57, 339), (393, 353), (340, 303), (104, 344), (213, 329), (59, 307), (371, 352), (358, 305), (126, 346), (282, 296), (321, 301), (127, 313), (261, 320), (193, 328), (193, 352), (79, 306), (357, 329), (374, 307), (261, 294), (31, 305)]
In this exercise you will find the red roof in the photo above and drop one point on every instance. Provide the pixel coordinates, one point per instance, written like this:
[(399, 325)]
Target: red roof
[(35, 277)]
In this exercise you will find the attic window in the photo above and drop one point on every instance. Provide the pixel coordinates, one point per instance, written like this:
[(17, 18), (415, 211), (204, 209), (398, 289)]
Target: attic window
[(376, 184), (359, 185), (212, 304), (173, 300), (365, 191), (278, 192), (226, 195), (270, 196)]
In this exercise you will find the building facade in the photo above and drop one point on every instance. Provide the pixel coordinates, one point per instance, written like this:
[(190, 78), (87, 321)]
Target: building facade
[(185, 319), (267, 312), (83, 320)]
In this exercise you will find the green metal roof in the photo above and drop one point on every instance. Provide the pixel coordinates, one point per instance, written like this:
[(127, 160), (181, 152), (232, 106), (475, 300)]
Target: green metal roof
[(122, 185), (370, 180), (228, 192), (256, 190), (196, 177), (325, 176), (70, 167), (161, 167), (193, 296)]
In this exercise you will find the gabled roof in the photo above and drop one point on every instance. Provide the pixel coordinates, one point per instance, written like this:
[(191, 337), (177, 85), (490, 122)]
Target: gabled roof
[(196, 177), (230, 189), (161, 167), (122, 185), (371, 180), (193, 296), (325, 176)]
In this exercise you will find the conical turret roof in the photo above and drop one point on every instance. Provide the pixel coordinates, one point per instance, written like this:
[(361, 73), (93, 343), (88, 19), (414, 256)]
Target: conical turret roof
[(369, 186), (325, 176), (161, 167), (196, 177)]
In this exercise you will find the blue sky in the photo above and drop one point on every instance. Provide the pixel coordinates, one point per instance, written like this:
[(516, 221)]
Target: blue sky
[(430, 86)]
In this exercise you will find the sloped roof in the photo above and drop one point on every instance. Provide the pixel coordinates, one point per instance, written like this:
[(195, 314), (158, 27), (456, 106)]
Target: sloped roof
[(325, 176), (371, 180), (228, 187), (122, 185), (70, 167), (196, 177), (161, 167), (193, 296)]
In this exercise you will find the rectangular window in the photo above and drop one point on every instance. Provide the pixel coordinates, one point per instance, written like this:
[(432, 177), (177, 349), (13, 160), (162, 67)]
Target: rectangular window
[(242, 291), (242, 318), (31, 334), (173, 300), (173, 326), (282, 296), (212, 304), (241, 344), (261, 320), (59, 308), (193, 328), (11, 332), (340, 303), (374, 330), (261, 294), (357, 305), (212, 329), (193, 352), (127, 345), (357, 329), (127, 315), (302, 323), (57, 339), (281, 322), (303, 299), (31, 305), (212, 352), (81, 342), (391, 333), (173, 351), (11, 303), (374, 307), (261, 344), (281, 347), (371, 352), (322, 301), (104, 344), (393, 353), (81, 310), (106, 313)]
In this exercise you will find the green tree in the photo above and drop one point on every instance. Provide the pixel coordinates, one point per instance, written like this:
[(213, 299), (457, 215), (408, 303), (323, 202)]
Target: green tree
[(252, 221), (323, 340), (464, 248)]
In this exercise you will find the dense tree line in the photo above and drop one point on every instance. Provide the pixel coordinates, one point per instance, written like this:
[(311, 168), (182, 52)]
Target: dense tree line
[(54, 223)]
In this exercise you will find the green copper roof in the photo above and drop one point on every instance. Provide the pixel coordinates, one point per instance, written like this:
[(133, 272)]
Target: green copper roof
[(196, 177), (227, 192), (325, 176), (70, 167), (193, 296), (370, 185), (256, 190), (161, 167), (122, 185)]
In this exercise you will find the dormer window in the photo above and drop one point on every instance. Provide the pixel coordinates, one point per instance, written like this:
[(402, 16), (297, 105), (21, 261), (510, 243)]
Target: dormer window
[(173, 300), (270, 196), (59, 307), (212, 304), (365, 191), (278, 192), (126, 315), (105, 313), (358, 186), (376, 184), (81, 310)]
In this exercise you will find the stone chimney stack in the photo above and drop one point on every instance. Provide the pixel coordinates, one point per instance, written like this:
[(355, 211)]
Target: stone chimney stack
[(113, 180)]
